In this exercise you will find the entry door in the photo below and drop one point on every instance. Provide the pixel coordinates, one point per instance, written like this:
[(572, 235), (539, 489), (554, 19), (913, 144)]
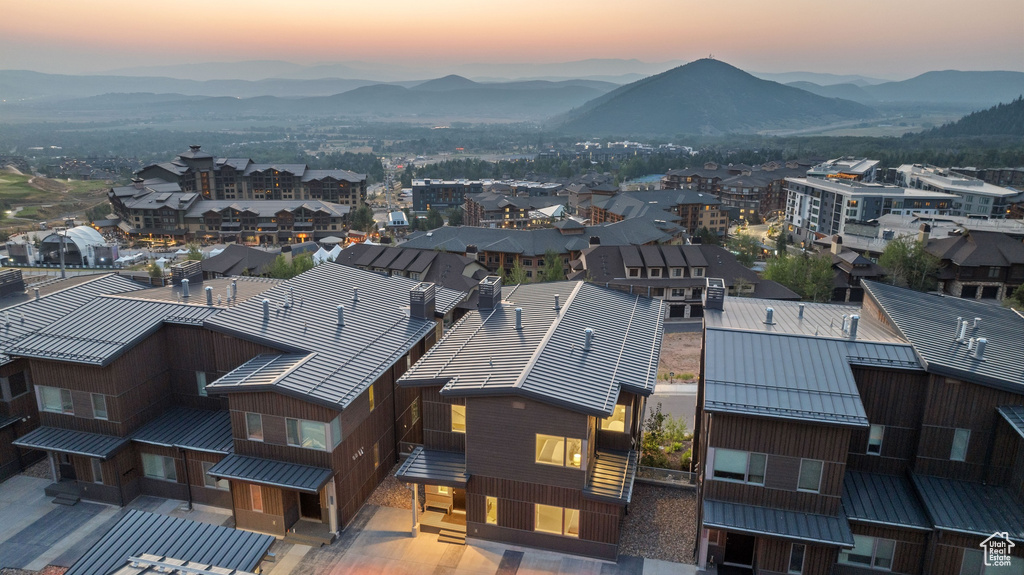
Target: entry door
[(459, 499), (309, 505), (67, 469), (739, 549)]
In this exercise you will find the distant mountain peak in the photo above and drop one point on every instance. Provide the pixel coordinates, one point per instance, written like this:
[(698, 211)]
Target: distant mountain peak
[(447, 83)]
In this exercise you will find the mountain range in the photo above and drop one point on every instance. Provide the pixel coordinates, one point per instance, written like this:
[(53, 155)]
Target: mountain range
[(945, 87)]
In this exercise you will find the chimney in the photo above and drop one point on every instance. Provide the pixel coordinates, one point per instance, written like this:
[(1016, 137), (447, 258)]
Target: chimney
[(837, 244), (194, 148), (341, 315), (184, 288), (854, 320), (471, 251), (979, 349), (421, 300), (36, 290), (800, 314), (209, 295), (266, 310), (714, 293), (519, 318), (595, 241), (490, 292), (588, 335), (769, 315), (137, 182), (924, 231)]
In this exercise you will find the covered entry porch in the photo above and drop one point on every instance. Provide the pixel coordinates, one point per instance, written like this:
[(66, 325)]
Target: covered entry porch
[(83, 465), (297, 502), (444, 478)]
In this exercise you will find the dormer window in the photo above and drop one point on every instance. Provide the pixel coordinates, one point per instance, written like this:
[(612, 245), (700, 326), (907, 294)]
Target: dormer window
[(655, 272), (634, 272)]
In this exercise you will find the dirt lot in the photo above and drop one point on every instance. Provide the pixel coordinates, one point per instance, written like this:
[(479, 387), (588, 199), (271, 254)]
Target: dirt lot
[(680, 353)]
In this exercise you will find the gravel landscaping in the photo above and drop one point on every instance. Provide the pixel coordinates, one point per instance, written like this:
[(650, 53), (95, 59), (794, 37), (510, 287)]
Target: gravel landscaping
[(661, 524), (393, 493), (39, 469)]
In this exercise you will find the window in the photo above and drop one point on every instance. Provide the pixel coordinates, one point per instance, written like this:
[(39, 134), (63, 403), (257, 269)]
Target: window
[(308, 434), (492, 510), (733, 465), (875, 439), (677, 272), (159, 467), (796, 558), (99, 406), (557, 520), (616, 421), (974, 564), (869, 552), (201, 383), (810, 475), (254, 426), (993, 272), (698, 272), (335, 431), (376, 455), (634, 272), (459, 418), (256, 498), (369, 395), (655, 272), (960, 439), (213, 482), (562, 451), (97, 471), (17, 384), (443, 490), (414, 410), (55, 400)]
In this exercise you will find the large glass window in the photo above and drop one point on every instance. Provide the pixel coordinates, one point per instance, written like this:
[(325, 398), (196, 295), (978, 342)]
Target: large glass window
[(557, 520), (55, 400), (616, 421), (869, 552), (17, 384), (734, 465), (211, 481), (254, 426), (960, 439), (557, 450), (256, 498), (810, 475), (459, 418), (335, 431), (159, 467), (97, 470), (492, 510), (201, 383), (99, 406), (308, 434), (796, 558), (875, 439)]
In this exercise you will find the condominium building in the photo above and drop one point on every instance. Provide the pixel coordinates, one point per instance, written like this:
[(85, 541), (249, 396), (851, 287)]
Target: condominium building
[(975, 198)]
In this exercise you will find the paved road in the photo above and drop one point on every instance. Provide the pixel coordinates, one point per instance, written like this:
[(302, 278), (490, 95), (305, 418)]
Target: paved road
[(684, 326), (676, 400)]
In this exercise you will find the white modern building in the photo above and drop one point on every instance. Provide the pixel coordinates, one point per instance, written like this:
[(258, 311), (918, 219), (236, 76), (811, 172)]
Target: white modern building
[(846, 168), (975, 198)]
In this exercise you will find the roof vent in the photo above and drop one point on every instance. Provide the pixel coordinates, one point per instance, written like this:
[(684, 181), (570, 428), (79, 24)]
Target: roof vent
[(963, 331), (854, 319), (355, 294), (519, 318), (769, 315), (956, 330), (341, 315), (422, 300), (184, 289), (800, 313), (979, 349), (558, 305), (977, 322), (588, 335), (36, 290), (209, 295), (489, 292), (266, 310)]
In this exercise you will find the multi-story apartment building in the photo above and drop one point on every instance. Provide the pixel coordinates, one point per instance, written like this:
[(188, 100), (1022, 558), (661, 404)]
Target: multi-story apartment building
[(846, 168), (492, 210), (849, 440), (432, 194), (1005, 177), (817, 207), (975, 198), (742, 187), (532, 409), (691, 210)]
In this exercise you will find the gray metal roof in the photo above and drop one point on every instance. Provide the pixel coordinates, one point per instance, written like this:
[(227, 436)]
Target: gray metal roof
[(341, 362), (752, 519), (271, 472), (929, 323), (1014, 415), (434, 467), (819, 319), (9, 420), (71, 441), (974, 508), (884, 500), (610, 477), (104, 328), (33, 315), (195, 429), (146, 563), (792, 377), (141, 532), (484, 354)]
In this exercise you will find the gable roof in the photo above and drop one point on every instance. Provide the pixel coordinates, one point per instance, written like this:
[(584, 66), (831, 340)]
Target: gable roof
[(484, 354), (237, 259), (978, 248), (972, 508), (340, 361)]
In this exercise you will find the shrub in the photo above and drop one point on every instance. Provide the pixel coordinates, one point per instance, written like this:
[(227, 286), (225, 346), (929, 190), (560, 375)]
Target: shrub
[(687, 459)]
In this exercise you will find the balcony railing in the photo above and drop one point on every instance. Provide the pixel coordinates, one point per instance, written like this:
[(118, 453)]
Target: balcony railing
[(666, 477)]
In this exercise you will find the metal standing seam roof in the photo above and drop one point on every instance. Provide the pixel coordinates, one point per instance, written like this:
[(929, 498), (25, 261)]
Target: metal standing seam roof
[(755, 520), (484, 354), (972, 508), (611, 475), (434, 467), (1014, 415), (884, 500), (928, 322), (101, 330), (340, 362), (139, 532), (72, 442), (146, 563), (9, 420), (271, 472), (194, 429)]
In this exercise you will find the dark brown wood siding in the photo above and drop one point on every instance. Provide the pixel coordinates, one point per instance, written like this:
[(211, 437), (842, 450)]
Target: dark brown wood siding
[(894, 399), (773, 557), (437, 421), (949, 552)]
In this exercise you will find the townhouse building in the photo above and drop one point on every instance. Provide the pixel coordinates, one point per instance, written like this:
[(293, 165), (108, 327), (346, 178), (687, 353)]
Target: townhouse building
[(852, 440), (532, 408), (978, 264), (755, 192), (975, 198), (493, 210), (691, 210)]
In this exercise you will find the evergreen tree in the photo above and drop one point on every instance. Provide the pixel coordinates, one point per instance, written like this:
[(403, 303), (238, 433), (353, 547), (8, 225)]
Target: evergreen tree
[(553, 270)]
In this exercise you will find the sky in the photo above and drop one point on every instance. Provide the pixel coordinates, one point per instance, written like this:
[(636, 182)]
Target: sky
[(891, 39)]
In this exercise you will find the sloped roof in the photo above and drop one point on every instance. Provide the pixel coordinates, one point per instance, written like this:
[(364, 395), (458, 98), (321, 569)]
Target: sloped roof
[(71, 441), (237, 259), (195, 429), (1014, 415), (818, 319), (883, 500), (972, 508), (928, 322), (545, 360), (978, 248), (756, 520), (434, 467), (294, 476), (303, 320)]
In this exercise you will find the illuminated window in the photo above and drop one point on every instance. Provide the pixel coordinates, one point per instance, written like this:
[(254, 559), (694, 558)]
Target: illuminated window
[(308, 434), (459, 418), (373, 402), (616, 421), (561, 451), (492, 510), (556, 520), (256, 498)]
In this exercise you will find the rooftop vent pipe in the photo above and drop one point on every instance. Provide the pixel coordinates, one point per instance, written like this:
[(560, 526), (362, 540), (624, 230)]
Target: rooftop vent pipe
[(800, 313), (977, 322), (234, 289), (979, 349), (209, 295), (963, 331), (355, 294), (557, 305), (184, 288), (956, 330), (588, 334), (854, 320), (341, 315), (266, 310), (769, 314), (37, 292), (519, 318)]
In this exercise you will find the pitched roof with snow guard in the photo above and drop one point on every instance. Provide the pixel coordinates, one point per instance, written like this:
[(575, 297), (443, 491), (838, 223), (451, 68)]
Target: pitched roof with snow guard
[(484, 354)]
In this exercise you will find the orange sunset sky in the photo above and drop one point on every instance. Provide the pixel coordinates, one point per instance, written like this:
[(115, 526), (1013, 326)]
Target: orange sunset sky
[(893, 39)]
